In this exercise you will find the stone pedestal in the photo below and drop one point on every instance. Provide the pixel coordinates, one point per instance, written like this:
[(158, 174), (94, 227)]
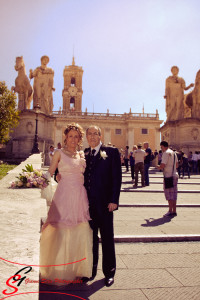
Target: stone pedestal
[(182, 134), (22, 138)]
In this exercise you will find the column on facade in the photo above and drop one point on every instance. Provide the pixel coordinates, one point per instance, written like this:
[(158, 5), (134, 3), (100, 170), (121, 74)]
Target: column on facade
[(58, 136), (85, 142), (107, 136), (157, 138), (130, 138)]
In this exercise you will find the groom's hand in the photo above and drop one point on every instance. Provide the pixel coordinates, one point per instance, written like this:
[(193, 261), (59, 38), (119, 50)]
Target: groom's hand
[(112, 206)]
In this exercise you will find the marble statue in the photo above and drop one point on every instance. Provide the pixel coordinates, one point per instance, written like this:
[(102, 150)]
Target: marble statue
[(196, 97), (22, 85), (174, 95), (43, 86), (192, 99)]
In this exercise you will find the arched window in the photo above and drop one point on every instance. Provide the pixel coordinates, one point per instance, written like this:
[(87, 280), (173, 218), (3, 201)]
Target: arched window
[(73, 81), (72, 103)]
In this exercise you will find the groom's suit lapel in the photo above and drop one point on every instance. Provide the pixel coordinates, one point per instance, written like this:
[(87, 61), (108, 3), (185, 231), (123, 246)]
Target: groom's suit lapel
[(98, 156), (89, 157)]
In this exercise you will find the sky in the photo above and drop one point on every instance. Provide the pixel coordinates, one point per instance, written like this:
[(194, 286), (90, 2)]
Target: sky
[(125, 47)]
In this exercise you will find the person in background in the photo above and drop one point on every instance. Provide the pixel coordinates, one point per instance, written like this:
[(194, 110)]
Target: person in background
[(132, 163), (126, 155), (194, 162), (51, 153), (139, 156), (190, 161), (147, 162), (56, 171), (121, 153), (155, 153), (159, 157), (58, 146), (169, 164), (185, 165), (180, 162), (198, 162)]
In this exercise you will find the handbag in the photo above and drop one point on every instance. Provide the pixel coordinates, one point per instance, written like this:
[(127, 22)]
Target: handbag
[(169, 181)]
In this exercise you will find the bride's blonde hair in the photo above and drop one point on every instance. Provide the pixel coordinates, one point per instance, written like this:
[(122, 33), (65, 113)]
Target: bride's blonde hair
[(78, 128)]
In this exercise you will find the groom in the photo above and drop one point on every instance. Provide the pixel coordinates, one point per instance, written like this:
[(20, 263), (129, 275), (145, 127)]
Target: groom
[(103, 183)]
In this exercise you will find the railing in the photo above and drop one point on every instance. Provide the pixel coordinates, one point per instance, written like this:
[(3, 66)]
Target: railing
[(63, 114)]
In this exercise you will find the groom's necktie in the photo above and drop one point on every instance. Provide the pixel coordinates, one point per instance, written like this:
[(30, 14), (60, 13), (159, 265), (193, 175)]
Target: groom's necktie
[(93, 152)]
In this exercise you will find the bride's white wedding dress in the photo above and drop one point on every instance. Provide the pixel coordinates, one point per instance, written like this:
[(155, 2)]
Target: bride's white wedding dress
[(66, 235)]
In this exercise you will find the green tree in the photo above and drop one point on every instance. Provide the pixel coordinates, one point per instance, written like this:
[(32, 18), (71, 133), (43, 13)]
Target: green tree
[(9, 116)]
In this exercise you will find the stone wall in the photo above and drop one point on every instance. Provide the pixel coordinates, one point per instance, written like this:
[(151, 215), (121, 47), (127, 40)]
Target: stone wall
[(22, 138)]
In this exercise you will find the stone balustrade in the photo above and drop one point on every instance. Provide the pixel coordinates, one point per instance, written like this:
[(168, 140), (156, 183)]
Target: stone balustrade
[(89, 115)]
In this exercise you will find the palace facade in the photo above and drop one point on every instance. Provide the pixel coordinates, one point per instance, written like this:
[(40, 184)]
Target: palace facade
[(117, 129)]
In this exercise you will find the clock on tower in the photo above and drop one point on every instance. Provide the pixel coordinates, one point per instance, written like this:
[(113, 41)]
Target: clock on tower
[(72, 92)]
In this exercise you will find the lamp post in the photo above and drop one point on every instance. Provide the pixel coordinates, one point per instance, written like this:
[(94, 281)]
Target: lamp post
[(35, 145)]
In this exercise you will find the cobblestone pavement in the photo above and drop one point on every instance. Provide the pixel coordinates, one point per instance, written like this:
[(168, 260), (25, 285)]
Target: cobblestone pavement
[(154, 271), (157, 198), (150, 221)]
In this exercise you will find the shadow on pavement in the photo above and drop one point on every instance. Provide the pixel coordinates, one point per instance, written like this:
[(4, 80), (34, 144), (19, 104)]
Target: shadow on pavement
[(132, 188), (151, 222), (69, 292)]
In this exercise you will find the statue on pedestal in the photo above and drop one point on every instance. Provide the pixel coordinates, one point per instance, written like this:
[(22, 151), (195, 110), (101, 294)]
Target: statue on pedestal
[(43, 86), (192, 100), (22, 85), (174, 95), (196, 97)]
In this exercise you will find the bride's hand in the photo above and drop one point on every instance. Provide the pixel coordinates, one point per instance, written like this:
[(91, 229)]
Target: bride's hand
[(58, 177)]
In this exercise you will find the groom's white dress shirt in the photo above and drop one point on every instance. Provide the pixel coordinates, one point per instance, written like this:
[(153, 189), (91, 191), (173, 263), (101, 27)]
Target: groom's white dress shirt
[(97, 148)]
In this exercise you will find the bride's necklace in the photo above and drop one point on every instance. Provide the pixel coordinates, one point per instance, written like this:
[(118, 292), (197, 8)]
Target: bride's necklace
[(70, 153)]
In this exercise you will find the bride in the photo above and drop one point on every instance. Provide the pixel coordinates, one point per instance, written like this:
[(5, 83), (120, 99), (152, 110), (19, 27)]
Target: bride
[(66, 235)]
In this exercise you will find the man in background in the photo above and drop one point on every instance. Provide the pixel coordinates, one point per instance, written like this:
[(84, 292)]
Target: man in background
[(126, 156), (51, 153), (169, 164), (56, 171), (139, 156), (147, 162)]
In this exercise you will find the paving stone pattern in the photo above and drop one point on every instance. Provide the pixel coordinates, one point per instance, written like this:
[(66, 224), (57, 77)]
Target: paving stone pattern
[(153, 271)]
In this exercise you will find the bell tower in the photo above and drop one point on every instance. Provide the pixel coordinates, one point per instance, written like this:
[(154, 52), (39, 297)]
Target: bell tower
[(72, 92)]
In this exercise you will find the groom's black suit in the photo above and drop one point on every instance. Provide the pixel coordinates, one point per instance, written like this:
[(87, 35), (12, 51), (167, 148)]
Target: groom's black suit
[(103, 183)]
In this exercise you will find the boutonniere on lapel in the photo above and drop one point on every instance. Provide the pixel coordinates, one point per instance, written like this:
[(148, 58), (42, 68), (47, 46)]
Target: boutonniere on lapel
[(103, 155)]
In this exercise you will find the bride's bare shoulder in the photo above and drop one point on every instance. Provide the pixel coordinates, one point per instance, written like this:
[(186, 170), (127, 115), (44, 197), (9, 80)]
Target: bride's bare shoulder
[(57, 153)]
